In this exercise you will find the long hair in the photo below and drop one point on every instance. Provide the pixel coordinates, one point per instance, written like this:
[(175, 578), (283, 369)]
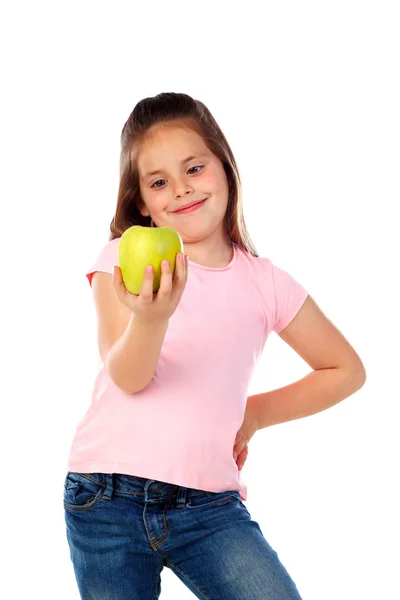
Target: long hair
[(194, 114)]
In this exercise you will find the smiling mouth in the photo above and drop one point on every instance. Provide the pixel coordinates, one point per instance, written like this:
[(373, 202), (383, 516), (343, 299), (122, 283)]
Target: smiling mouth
[(190, 208)]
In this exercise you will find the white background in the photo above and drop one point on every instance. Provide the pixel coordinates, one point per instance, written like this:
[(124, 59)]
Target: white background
[(307, 94)]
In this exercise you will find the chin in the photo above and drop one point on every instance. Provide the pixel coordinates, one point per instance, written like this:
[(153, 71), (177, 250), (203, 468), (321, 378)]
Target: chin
[(197, 235)]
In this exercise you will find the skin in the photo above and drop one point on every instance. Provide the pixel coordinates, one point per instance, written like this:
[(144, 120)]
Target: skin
[(203, 235)]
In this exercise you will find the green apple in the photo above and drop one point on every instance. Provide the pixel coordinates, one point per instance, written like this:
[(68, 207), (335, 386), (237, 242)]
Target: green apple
[(141, 246)]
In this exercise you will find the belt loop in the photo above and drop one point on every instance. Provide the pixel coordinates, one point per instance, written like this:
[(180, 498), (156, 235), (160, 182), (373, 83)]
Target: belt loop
[(182, 497), (108, 493)]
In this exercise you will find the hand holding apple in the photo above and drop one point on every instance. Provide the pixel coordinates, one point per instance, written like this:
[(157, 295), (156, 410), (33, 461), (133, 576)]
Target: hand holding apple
[(147, 305), (142, 246)]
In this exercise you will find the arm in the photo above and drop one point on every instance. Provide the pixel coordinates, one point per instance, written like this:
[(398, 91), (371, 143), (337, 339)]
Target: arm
[(131, 329), (131, 362), (314, 393), (337, 370)]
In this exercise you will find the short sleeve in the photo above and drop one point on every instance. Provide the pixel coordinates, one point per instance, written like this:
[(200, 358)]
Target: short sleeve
[(105, 261), (290, 296)]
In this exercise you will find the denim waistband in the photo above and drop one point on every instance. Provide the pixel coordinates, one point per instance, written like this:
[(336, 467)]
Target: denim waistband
[(150, 489)]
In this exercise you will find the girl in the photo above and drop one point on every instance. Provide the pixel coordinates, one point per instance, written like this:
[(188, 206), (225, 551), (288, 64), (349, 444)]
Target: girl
[(154, 471)]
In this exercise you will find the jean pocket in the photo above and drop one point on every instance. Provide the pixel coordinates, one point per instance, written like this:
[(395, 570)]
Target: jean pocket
[(213, 499), (81, 491)]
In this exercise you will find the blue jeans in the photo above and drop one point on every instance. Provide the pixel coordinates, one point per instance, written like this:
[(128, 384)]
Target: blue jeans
[(122, 530)]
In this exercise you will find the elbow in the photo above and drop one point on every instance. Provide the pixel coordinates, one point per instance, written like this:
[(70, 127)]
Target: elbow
[(132, 390), (361, 374), (125, 379), (128, 387), (357, 375)]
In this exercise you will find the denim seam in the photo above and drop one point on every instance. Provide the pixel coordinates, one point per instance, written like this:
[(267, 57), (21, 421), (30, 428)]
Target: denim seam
[(170, 564), (225, 500), (88, 506)]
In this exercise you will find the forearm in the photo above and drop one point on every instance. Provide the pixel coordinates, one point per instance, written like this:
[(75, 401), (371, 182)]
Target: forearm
[(132, 360), (314, 393)]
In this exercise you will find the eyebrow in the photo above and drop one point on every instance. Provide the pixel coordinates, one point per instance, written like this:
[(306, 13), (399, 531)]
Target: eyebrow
[(150, 173)]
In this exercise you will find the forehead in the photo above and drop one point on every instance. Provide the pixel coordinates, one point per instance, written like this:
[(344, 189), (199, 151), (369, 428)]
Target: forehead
[(165, 146)]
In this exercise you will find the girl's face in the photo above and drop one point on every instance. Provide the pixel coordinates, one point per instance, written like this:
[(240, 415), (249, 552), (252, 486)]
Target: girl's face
[(179, 181)]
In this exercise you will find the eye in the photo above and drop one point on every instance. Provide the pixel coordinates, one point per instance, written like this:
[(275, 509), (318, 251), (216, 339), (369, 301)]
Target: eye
[(197, 167), (154, 184), (157, 186)]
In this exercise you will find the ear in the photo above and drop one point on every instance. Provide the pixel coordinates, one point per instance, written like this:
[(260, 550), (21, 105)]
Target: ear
[(142, 208), (144, 212)]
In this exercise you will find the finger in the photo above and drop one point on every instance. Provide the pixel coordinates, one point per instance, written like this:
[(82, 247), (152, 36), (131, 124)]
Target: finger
[(237, 446), (166, 280), (118, 283), (146, 290), (237, 449), (186, 263), (116, 274), (240, 465), (180, 269), (242, 457), (180, 276)]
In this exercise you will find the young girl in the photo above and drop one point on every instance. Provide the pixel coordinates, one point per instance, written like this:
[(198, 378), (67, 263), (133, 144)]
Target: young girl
[(154, 471)]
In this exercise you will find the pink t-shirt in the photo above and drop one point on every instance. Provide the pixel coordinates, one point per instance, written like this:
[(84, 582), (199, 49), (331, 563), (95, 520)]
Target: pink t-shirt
[(181, 428)]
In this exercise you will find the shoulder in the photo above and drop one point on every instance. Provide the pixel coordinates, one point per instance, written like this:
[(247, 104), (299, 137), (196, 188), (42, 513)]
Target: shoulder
[(105, 260), (111, 247), (281, 291), (275, 274), (260, 267)]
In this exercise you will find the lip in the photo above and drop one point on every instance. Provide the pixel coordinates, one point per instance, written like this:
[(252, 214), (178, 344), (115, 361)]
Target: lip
[(192, 205)]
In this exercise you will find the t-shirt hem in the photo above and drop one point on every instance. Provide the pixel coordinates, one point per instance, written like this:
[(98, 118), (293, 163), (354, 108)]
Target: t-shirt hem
[(292, 315), (174, 477)]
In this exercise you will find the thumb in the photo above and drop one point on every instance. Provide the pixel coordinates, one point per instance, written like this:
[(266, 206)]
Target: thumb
[(117, 275), (117, 280), (239, 436)]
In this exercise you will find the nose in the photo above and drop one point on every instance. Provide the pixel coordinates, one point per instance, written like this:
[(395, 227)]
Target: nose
[(182, 189)]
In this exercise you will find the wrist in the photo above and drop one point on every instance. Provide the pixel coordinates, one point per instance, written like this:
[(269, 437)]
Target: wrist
[(254, 408), (149, 322)]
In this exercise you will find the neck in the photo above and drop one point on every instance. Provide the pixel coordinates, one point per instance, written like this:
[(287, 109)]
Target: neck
[(214, 253)]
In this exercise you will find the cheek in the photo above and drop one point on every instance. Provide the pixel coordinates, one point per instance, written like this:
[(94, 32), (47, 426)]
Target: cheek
[(213, 182), (155, 204)]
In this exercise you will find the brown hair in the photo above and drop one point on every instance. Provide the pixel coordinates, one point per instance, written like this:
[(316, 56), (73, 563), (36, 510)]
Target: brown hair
[(164, 108)]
